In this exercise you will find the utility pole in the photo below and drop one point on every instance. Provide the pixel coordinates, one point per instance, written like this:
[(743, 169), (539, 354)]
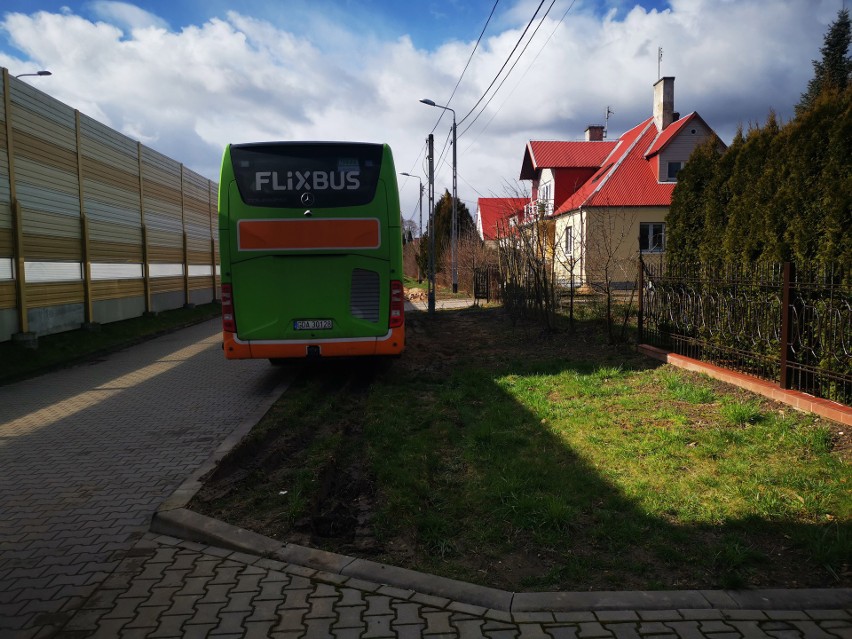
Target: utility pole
[(454, 225), (430, 145), (420, 230), (455, 236), (659, 62)]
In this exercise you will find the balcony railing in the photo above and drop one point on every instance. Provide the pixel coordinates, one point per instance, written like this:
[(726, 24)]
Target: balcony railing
[(538, 209)]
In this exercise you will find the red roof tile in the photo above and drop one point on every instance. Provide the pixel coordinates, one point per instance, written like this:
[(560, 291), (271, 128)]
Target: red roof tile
[(670, 131), (494, 209), (627, 177), (556, 155)]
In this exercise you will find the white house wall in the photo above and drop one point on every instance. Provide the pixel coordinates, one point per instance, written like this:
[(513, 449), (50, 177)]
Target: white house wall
[(547, 182), (681, 147)]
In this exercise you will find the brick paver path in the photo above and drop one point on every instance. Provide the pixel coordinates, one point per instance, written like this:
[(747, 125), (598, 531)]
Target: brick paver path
[(87, 454), (174, 588)]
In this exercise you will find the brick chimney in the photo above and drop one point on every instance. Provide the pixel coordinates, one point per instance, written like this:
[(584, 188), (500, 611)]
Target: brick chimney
[(664, 102), (595, 133)]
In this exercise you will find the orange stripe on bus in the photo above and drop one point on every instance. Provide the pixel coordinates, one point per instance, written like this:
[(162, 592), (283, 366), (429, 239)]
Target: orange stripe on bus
[(299, 235)]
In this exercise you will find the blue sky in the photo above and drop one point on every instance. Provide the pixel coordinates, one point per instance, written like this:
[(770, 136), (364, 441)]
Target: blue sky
[(429, 23), (188, 76)]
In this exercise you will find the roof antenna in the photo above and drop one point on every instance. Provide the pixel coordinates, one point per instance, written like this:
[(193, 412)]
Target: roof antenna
[(659, 61), (608, 113)]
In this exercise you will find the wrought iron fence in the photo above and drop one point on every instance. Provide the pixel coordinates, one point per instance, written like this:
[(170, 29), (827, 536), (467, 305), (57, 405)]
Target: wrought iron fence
[(486, 283), (777, 322)]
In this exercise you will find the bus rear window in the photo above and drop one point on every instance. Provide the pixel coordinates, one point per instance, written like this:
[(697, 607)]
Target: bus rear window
[(299, 175)]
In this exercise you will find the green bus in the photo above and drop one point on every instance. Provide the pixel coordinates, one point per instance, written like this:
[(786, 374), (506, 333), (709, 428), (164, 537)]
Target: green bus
[(311, 251)]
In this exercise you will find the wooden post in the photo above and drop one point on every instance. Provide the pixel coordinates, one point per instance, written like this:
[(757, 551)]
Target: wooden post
[(17, 215), (146, 271), (185, 241), (214, 228), (85, 249), (640, 319), (786, 326), (20, 262)]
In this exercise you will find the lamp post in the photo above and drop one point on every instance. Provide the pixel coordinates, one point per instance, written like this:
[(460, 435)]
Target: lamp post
[(454, 231), (21, 75), (420, 230)]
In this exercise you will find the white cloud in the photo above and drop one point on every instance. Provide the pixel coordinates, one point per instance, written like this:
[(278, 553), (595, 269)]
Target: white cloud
[(240, 78)]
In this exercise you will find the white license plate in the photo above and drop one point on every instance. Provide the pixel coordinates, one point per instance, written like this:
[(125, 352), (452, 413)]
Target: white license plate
[(313, 325)]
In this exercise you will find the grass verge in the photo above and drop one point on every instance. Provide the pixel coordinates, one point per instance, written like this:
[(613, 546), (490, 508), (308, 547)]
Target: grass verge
[(71, 347), (530, 461)]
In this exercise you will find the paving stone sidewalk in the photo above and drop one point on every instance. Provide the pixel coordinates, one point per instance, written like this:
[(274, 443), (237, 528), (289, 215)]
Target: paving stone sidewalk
[(88, 453), (167, 587)]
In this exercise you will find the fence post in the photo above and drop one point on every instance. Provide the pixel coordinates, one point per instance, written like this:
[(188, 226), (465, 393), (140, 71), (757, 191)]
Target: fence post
[(786, 321), (18, 258), (85, 244), (20, 268), (143, 228), (213, 229), (187, 303), (640, 318)]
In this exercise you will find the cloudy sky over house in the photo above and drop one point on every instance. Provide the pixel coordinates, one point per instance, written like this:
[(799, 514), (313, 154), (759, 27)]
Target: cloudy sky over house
[(188, 76)]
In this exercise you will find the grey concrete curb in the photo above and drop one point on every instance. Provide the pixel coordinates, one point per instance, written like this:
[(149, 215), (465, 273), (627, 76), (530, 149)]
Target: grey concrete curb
[(186, 524), (174, 519)]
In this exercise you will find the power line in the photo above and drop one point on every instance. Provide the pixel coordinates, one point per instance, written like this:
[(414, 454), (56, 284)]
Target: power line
[(515, 88), (478, 40), (419, 155), (441, 159), (515, 48), (512, 68)]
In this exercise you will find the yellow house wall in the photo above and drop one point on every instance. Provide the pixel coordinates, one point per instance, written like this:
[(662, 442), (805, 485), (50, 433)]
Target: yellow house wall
[(605, 246)]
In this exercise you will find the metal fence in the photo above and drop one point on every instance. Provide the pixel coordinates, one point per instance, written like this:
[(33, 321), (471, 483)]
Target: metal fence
[(777, 322), (486, 283)]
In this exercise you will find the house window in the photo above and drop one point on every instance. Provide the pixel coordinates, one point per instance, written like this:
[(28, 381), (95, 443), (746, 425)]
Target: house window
[(652, 237), (569, 241), (674, 168)]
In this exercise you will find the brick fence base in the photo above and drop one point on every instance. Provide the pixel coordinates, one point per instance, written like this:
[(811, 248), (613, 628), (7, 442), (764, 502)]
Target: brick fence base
[(796, 399)]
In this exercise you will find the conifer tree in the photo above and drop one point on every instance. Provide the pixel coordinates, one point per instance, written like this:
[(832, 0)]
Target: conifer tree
[(719, 195), (685, 221), (834, 70), (820, 184), (753, 186), (780, 192), (443, 228)]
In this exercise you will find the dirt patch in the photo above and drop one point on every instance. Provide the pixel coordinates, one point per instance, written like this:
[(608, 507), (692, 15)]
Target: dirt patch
[(254, 484)]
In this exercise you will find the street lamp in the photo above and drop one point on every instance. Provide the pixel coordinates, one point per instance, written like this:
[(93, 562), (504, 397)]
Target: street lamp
[(455, 213), (21, 75), (419, 270)]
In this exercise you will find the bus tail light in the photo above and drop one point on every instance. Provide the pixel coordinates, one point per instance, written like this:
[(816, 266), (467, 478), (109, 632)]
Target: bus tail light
[(397, 305), (229, 324)]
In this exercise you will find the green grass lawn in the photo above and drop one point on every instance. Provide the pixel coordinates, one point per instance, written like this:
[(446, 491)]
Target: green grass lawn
[(532, 461)]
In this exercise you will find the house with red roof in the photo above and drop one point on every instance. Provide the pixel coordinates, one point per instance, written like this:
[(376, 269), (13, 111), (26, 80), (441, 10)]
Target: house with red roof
[(607, 200), (496, 215)]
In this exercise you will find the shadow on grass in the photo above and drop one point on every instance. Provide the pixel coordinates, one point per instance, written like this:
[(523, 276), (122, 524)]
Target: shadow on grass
[(433, 463)]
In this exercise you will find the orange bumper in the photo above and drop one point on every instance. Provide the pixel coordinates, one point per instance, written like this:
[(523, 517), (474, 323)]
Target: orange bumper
[(391, 344)]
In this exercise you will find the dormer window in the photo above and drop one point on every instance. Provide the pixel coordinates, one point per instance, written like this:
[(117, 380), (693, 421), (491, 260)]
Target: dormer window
[(673, 169)]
